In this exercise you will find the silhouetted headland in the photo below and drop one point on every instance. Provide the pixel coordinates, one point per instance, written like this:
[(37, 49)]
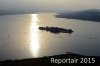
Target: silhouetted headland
[(56, 30), (46, 61), (89, 15)]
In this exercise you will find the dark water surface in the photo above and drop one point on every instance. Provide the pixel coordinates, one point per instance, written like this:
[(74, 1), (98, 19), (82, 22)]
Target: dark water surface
[(20, 37)]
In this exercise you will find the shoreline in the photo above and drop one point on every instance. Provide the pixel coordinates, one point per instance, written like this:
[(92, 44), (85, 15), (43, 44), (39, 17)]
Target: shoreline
[(56, 60)]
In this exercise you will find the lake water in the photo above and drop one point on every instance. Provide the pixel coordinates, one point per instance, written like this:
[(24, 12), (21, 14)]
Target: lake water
[(20, 37)]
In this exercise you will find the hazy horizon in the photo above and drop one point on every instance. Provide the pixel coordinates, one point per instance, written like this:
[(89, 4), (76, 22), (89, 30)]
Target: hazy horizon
[(48, 5)]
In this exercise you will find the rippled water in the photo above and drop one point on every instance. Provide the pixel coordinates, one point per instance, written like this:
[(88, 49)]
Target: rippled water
[(20, 37)]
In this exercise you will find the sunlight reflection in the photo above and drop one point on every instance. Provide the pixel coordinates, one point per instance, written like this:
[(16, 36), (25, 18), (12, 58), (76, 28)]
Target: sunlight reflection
[(34, 35)]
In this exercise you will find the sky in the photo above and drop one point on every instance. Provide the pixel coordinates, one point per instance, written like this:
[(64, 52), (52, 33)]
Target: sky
[(49, 5)]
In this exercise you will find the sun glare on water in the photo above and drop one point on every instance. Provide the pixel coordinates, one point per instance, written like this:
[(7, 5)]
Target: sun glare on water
[(34, 35)]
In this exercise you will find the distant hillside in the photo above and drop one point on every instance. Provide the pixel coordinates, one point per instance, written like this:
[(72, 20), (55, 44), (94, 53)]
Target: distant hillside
[(89, 15), (12, 12)]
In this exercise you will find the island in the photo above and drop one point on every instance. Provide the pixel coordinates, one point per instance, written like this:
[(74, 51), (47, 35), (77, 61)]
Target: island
[(56, 29)]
